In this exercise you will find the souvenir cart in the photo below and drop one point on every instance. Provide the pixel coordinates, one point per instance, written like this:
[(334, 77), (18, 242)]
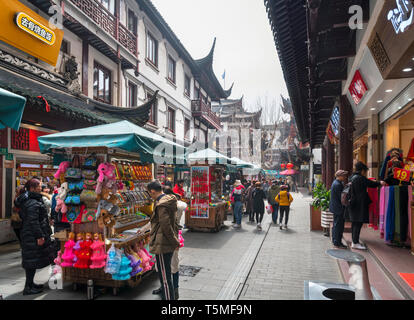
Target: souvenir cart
[(207, 211), (104, 199), (103, 196)]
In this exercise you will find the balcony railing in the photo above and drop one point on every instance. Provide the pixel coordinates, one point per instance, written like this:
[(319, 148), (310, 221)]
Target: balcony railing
[(109, 23), (201, 109)]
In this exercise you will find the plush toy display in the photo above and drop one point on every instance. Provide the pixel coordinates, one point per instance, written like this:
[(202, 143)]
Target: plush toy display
[(68, 256), (124, 270), (98, 252), (63, 191), (61, 206), (58, 259), (107, 178), (55, 280), (62, 169), (135, 262)]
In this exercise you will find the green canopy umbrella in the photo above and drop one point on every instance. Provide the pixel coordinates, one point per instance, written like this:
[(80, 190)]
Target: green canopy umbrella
[(120, 135), (11, 109)]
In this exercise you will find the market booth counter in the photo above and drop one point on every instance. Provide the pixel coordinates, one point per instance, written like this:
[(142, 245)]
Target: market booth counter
[(104, 199), (207, 211)]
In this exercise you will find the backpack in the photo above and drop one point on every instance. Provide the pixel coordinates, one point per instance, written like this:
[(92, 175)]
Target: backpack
[(347, 197)]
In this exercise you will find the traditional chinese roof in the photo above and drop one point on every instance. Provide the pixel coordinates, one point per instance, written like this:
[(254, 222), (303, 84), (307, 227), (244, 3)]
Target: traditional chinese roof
[(65, 105)]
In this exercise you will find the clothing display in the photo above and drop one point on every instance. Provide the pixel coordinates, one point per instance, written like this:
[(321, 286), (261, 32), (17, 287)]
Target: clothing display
[(373, 208), (395, 213)]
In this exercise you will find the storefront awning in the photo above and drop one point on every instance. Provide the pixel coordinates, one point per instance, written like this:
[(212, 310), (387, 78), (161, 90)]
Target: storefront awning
[(11, 109), (122, 135)]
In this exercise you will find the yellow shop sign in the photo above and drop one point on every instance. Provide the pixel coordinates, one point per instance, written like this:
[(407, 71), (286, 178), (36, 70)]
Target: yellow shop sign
[(35, 28)]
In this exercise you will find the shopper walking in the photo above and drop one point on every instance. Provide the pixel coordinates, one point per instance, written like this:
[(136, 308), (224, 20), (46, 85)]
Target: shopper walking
[(15, 220), (164, 236), (273, 192), (259, 197), (359, 207), (249, 201), (284, 199), (237, 200), (37, 249), (338, 210)]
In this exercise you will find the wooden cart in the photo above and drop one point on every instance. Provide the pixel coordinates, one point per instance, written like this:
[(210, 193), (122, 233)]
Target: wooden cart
[(214, 222)]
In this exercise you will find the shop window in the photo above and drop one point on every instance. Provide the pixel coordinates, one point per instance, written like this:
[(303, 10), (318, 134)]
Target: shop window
[(132, 22), (152, 49), (196, 93), (132, 95), (171, 69), (153, 111), (171, 119), (187, 85), (187, 128), (102, 85)]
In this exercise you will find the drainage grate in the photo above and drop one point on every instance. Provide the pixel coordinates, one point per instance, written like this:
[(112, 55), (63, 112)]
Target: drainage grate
[(189, 271)]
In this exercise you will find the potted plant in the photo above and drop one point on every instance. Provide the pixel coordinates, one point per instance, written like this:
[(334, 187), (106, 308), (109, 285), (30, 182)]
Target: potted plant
[(321, 198)]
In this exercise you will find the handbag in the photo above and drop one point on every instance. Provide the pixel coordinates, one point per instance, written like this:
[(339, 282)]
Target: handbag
[(88, 196), (72, 214), (89, 184), (269, 209), (75, 186), (72, 199), (88, 215), (90, 162), (89, 174), (73, 174)]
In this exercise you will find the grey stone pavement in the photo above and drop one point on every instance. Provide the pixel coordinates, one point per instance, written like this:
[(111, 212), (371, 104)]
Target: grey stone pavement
[(235, 264)]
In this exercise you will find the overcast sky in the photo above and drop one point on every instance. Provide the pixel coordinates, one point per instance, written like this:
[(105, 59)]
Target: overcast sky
[(245, 47)]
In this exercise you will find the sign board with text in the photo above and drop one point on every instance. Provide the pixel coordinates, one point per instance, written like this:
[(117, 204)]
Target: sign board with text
[(26, 30), (358, 88), (402, 175)]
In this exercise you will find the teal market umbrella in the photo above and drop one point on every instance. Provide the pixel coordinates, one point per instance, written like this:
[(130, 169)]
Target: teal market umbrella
[(11, 109)]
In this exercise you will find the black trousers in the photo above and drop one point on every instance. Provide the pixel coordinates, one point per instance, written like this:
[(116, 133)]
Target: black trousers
[(251, 215), (338, 229), (356, 231), (164, 272), (259, 217), (30, 273), (284, 212)]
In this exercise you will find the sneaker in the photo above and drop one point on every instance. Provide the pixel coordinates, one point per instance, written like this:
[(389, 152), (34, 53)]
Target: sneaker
[(38, 286), (30, 291), (341, 246), (259, 226), (237, 226), (157, 291), (358, 246), (281, 228)]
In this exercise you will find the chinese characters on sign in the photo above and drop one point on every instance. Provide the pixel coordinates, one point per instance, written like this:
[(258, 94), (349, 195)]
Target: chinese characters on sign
[(358, 88), (35, 28), (402, 17), (200, 190)]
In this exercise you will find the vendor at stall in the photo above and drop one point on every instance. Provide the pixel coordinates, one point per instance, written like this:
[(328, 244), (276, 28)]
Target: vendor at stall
[(179, 188)]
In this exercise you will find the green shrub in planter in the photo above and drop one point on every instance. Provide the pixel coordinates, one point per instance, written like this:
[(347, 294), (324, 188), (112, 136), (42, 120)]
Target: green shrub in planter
[(321, 197)]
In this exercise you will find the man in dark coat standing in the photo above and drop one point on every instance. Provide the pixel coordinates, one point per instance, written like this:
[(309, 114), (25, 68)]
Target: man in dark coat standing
[(336, 207), (360, 201)]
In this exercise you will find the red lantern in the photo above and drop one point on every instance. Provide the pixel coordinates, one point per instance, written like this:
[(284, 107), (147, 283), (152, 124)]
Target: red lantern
[(290, 166), (283, 166)]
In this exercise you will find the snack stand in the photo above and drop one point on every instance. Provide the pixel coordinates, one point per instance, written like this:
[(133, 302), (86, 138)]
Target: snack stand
[(105, 181), (207, 211)]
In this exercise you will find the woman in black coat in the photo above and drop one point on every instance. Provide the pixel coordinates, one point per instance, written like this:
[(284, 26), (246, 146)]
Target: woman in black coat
[(37, 249), (258, 198), (358, 210)]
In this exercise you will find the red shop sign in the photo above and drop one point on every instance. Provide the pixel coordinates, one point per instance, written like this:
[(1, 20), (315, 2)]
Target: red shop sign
[(358, 88), (26, 139)]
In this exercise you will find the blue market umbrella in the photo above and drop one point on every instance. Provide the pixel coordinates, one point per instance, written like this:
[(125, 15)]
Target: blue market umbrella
[(11, 109)]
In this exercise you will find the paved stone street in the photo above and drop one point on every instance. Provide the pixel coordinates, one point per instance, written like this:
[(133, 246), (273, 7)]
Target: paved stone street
[(244, 264)]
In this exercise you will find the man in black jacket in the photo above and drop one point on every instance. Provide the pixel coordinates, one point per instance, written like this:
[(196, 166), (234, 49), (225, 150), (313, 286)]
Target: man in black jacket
[(336, 207)]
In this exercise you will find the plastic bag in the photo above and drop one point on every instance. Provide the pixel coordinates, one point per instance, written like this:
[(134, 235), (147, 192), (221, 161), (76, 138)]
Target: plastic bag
[(269, 209), (113, 260), (55, 280)]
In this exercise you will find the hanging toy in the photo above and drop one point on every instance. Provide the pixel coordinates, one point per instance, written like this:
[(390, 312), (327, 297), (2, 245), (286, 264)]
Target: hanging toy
[(62, 169), (113, 260), (98, 252), (68, 255)]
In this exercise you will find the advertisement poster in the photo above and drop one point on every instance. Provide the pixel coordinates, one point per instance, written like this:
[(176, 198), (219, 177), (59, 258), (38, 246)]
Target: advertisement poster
[(200, 190)]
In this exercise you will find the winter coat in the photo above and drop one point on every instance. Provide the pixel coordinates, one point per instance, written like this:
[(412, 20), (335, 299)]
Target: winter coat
[(359, 209), (273, 192), (284, 198), (35, 226), (181, 206), (335, 204), (164, 228), (259, 197), (237, 194), (249, 199)]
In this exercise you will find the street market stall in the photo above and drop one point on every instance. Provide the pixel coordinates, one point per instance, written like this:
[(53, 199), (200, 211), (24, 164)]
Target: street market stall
[(207, 211), (103, 172)]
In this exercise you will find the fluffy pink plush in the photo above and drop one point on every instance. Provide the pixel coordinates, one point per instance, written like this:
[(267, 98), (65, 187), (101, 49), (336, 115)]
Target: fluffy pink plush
[(68, 256), (61, 206), (62, 169), (106, 178)]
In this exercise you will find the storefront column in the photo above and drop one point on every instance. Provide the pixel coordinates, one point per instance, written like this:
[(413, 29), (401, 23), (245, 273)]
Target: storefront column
[(324, 165), (330, 164), (346, 139), (373, 146)]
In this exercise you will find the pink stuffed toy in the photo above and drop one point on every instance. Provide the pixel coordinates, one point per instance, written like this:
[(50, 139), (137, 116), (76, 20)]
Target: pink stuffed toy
[(61, 206), (98, 257), (62, 169), (69, 256), (58, 260), (107, 178)]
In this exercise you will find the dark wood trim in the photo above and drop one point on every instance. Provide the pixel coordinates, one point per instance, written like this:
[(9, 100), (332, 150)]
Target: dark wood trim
[(85, 67)]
